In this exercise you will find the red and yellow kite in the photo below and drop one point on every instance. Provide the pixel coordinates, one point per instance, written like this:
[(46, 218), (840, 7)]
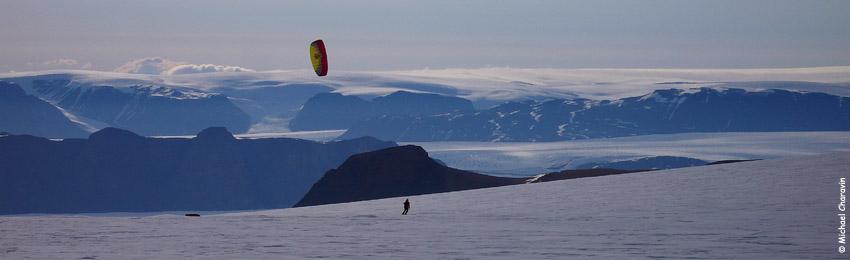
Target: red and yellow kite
[(319, 57)]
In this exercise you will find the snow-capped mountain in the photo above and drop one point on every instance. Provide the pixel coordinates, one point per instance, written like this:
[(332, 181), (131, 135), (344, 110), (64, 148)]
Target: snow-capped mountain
[(262, 102), (140, 106), (660, 112)]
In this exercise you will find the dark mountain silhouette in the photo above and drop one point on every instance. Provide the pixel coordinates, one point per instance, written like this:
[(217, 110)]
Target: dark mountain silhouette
[(21, 113), (117, 170), (407, 170), (334, 111), (660, 112), (392, 172)]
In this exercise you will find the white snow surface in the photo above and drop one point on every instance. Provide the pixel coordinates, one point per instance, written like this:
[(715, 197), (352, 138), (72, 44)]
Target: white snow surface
[(530, 158), (770, 209)]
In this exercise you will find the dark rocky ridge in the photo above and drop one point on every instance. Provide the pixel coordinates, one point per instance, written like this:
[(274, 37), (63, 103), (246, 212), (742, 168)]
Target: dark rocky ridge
[(407, 170), (116, 170), (392, 172), (730, 161)]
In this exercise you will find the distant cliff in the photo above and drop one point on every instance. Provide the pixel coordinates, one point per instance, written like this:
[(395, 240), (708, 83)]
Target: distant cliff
[(660, 112), (335, 111), (146, 108), (117, 170), (21, 113)]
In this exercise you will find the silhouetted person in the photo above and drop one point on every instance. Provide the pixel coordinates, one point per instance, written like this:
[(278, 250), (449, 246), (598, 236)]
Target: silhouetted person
[(406, 207)]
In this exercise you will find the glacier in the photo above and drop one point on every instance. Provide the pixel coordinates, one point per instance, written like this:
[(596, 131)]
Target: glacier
[(531, 158)]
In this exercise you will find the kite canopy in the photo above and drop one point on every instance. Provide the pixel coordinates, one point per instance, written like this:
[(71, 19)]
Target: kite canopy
[(319, 57)]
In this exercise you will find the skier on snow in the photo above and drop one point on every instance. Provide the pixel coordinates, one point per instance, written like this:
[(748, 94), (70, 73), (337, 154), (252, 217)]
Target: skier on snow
[(406, 207)]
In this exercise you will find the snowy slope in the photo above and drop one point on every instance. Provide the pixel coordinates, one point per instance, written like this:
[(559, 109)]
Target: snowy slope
[(527, 159), (769, 209)]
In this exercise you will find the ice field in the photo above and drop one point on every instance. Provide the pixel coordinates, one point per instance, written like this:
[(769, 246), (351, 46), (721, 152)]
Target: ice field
[(781, 208)]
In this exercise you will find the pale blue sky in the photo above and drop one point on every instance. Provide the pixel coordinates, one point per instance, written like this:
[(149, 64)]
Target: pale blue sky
[(392, 34)]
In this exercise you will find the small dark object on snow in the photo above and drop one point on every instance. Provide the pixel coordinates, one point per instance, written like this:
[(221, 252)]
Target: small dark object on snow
[(406, 206), (193, 215)]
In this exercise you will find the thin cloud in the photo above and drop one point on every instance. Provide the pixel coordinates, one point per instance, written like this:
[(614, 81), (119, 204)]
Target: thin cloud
[(61, 63), (163, 66), (204, 68), (149, 65)]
